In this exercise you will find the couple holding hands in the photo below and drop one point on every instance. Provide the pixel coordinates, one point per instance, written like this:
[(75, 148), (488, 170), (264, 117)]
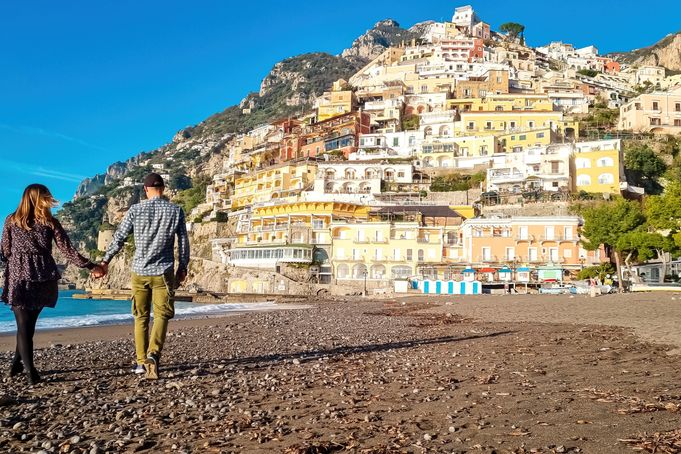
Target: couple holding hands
[(31, 275)]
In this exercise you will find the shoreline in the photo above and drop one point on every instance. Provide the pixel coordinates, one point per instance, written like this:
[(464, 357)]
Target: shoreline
[(46, 337)]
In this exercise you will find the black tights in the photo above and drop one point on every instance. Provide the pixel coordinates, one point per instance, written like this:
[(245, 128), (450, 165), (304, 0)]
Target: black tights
[(26, 320)]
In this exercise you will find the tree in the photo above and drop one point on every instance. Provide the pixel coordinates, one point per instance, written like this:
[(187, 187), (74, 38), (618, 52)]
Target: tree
[(606, 222), (664, 211), (180, 182), (640, 245), (514, 30), (588, 72), (645, 168)]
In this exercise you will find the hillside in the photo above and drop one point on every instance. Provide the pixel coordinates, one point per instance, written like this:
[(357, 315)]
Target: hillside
[(292, 86), (666, 52)]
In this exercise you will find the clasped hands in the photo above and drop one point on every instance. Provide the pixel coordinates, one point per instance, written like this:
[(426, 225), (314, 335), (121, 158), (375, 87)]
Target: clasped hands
[(100, 270)]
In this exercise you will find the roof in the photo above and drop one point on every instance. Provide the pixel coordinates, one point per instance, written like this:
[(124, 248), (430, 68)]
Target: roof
[(436, 211)]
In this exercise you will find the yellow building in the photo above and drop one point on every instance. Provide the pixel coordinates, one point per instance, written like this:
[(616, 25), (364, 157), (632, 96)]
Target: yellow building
[(443, 152), (336, 102), (298, 232), (296, 223), (599, 166), (517, 102), (382, 250), (529, 127), (518, 141), (275, 182)]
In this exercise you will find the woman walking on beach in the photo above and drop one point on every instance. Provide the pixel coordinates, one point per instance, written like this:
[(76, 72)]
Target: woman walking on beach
[(31, 275)]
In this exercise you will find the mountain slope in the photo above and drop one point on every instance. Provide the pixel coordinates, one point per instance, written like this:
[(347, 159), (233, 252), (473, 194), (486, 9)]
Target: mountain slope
[(290, 87), (666, 52)]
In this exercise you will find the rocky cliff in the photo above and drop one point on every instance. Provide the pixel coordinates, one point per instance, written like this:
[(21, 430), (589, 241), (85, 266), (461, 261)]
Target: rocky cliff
[(371, 44), (666, 52), (195, 153)]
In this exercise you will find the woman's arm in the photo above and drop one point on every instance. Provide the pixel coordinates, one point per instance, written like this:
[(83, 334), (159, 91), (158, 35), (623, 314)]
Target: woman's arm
[(64, 244), (6, 244)]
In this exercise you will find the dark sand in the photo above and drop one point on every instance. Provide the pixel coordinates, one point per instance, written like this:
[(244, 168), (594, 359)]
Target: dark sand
[(484, 374)]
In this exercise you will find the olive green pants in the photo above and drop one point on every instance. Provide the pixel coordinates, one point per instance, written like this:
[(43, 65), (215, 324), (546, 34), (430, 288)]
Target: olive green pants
[(147, 291)]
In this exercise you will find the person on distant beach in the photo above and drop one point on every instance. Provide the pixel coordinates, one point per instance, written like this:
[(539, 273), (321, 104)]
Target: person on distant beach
[(154, 224), (31, 275)]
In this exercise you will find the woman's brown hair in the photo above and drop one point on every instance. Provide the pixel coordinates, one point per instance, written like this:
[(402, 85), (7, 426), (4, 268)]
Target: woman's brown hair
[(35, 207)]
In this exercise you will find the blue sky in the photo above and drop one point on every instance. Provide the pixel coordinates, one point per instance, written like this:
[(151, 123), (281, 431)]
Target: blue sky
[(84, 84)]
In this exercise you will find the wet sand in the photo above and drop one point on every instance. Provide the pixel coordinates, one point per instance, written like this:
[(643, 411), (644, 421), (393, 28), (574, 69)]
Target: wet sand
[(512, 374)]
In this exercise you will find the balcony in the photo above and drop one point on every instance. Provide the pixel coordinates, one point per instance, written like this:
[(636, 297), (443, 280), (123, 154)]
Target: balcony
[(488, 259), (380, 241), (361, 241), (558, 238)]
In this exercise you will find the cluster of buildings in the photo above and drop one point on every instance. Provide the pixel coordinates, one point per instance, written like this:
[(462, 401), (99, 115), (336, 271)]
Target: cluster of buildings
[(345, 189)]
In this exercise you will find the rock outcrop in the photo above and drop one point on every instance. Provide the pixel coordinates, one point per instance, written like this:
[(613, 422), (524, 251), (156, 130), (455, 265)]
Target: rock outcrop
[(666, 52), (371, 44)]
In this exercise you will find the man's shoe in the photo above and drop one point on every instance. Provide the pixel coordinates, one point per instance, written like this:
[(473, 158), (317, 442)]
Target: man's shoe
[(139, 369), (151, 367)]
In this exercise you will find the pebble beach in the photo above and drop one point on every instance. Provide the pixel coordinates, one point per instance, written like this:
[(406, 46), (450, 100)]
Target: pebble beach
[(504, 374)]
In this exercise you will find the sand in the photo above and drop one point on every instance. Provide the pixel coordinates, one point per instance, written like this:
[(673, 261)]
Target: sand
[(477, 374)]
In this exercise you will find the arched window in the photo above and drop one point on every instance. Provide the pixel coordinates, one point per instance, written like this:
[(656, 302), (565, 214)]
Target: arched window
[(377, 272), (350, 174), (342, 271), (359, 271), (583, 180), (444, 130), (402, 272), (421, 255), (606, 178), (606, 162), (428, 131), (582, 163)]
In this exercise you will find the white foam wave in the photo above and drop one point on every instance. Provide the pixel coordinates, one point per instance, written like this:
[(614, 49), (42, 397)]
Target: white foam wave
[(182, 310)]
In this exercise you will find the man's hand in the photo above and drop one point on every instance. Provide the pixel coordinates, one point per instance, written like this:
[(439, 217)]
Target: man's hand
[(180, 276)]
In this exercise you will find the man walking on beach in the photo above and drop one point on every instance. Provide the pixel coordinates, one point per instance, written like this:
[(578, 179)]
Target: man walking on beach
[(154, 224)]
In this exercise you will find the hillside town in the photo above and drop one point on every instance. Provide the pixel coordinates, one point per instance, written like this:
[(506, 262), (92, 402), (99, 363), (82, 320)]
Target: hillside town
[(357, 193)]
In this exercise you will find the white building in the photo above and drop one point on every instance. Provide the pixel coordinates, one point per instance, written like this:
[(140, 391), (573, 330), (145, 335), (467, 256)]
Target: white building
[(402, 144), (540, 168), (359, 177)]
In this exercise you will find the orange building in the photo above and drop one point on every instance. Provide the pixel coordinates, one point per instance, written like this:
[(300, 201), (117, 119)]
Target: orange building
[(494, 82), (537, 240), (336, 135)]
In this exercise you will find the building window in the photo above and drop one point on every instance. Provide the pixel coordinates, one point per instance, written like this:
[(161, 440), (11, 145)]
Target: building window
[(488, 125), (486, 254), (421, 255), (583, 180), (656, 105), (499, 108), (606, 178), (606, 162), (396, 141), (677, 107), (471, 125), (410, 255), (530, 124), (655, 121), (677, 122), (540, 135), (510, 254), (582, 163)]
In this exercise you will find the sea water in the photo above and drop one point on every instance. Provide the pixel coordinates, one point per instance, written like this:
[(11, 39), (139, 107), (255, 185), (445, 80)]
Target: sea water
[(71, 312)]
